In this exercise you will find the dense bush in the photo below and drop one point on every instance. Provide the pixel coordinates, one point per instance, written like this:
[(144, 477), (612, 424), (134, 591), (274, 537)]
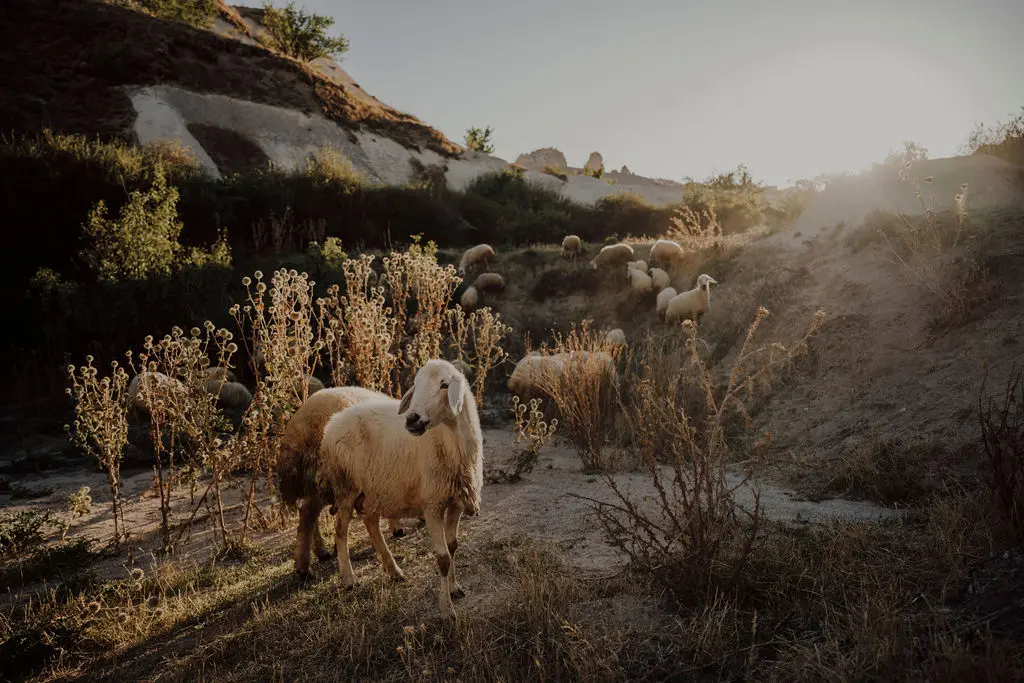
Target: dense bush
[(299, 34), (733, 199), (1004, 140)]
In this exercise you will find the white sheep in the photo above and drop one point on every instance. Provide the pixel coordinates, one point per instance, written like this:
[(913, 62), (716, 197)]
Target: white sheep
[(639, 264), (661, 279), (474, 255), (639, 281), (469, 299), (572, 245), (615, 337), (691, 303), (298, 462), (422, 456), (612, 255), (489, 282), (666, 251), (664, 296)]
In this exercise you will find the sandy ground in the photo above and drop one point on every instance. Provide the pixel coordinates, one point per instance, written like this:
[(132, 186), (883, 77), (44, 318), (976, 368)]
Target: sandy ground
[(549, 505)]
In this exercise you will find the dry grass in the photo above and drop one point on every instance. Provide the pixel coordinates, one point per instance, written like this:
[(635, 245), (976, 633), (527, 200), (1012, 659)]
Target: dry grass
[(582, 389), (936, 256), (1002, 429)]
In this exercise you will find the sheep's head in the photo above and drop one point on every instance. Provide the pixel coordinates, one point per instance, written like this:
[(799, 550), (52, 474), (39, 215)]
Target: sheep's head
[(437, 395), (705, 281)]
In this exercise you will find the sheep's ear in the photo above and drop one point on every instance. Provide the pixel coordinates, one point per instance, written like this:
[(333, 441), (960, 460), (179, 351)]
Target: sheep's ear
[(406, 400), (456, 389), (712, 280)]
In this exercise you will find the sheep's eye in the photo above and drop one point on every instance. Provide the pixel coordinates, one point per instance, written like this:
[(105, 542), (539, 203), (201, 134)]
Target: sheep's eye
[(444, 385)]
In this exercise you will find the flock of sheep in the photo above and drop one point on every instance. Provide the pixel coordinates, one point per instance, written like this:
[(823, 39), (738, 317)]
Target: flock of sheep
[(356, 450)]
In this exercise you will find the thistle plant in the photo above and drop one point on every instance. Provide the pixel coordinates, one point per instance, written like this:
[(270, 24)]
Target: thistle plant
[(100, 427), (369, 327)]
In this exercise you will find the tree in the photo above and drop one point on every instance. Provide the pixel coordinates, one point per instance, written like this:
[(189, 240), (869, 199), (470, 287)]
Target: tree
[(480, 140), (299, 34), (911, 152)]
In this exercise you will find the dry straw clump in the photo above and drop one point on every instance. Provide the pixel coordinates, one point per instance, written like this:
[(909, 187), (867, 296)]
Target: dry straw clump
[(101, 425), (370, 327), (583, 388)]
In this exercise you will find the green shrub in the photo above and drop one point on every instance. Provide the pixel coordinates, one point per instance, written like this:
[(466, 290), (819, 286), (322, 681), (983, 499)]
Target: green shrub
[(733, 199), (299, 34), (143, 241), (479, 140), (558, 173)]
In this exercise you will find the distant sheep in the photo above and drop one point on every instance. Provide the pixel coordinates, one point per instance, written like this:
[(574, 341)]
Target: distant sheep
[(639, 264), (147, 386), (692, 303), (422, 455), (481, 253), (664, 296), (232, 397), (465, 368), (489, 282), (639, 281), (612, 255), (299, 461), (615, 337), (572, 246), (661, 279), (218, 373), (536, 374), (666, 252), (470, 299)]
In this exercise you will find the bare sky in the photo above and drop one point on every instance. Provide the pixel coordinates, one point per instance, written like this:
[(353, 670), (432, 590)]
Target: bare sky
[(792, 88)]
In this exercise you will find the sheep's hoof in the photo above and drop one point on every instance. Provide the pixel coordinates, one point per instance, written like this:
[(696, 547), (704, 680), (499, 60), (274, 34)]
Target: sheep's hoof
[(457, 592), (398, 576), (398, 533), (303, 575)]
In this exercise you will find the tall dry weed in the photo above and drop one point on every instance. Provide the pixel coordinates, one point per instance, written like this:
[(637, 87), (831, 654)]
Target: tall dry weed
[(681, 417), (1002, 437), (935, 257), (476, 339), (100, 427)]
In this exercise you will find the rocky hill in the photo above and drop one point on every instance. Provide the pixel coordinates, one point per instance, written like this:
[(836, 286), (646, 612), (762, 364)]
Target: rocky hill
[(99, 69)]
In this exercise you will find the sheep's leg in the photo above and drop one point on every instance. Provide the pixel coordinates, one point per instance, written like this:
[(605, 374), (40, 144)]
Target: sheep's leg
[(452, 515), (342, 520), (309, 533), (395, 527), (435, 525), (387, 560)]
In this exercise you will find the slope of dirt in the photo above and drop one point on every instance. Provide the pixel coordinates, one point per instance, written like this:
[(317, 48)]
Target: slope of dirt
[(991, 182), (68, 70)]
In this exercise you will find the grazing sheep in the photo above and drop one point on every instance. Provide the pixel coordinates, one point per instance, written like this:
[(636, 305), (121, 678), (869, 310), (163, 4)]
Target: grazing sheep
[(474, 255), (660, 278), (232, 397), (572, 246), (470, 298), (299, 462), (615, 337), (691, 303), (218, 373), (422, 455), (639, 264), (535, 372), (156, 384), (465, 368), (639, 281), (612, 255), (489, 282), (664, 296), (666, 251)]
